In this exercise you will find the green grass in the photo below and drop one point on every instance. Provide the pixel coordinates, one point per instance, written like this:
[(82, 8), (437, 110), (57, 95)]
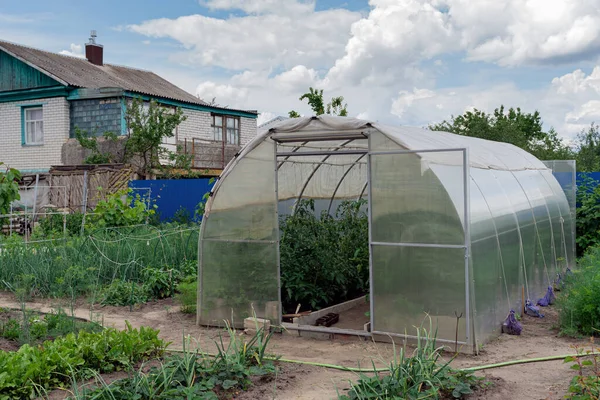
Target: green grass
[(84, 265)]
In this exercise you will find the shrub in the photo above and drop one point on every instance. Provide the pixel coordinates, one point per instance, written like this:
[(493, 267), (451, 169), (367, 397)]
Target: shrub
[(54, 224), (120, 293), (324, 260), (588, 215), (158, 283), (586, 384), (186, 296), (121, 208), (579, 303)]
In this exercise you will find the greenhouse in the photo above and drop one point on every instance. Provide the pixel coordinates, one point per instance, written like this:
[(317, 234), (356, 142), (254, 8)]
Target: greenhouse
[(457, 230)]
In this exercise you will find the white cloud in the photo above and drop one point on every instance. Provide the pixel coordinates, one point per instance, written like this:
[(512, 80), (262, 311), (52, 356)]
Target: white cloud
[(265, 116), (296, 79), (275, 49), (406, 99), (76, 50), (287, 7), (270, 39), (568, 103), (515, 32), (223, 95)]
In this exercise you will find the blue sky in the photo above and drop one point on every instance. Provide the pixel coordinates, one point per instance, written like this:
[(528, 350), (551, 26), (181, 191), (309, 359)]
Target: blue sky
[(410, 62)]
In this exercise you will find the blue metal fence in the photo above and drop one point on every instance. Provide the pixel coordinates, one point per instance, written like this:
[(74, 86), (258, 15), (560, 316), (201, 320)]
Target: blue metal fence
[(172, 195)]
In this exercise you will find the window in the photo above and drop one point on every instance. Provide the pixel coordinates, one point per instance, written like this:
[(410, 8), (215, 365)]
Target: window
[(226, 128), (34, 125)]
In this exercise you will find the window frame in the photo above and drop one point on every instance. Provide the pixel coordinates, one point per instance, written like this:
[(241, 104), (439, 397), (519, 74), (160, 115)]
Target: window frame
[(224, 134), (25, 110)]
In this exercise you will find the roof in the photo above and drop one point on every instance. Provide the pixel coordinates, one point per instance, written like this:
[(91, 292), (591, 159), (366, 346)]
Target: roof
[(79, 72), (270, 123), (485, 154)]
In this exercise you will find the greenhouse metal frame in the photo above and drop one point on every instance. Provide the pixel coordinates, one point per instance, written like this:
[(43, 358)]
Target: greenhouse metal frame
[(458, 226)]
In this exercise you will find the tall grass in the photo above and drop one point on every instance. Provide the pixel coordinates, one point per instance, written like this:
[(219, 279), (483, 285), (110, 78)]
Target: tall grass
[(77, 265), (420, 374)]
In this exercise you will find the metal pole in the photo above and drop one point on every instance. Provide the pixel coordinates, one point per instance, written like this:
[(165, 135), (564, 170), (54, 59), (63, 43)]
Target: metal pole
[(278, 238), (85, 198), (370, 221), (322, 153), (467, 233), (35, 193)]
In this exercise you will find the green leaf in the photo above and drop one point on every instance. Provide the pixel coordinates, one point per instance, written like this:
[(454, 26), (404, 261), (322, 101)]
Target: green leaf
[(228, 384)]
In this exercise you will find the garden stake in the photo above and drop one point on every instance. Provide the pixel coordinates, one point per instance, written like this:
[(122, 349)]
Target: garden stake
[(458, 317)]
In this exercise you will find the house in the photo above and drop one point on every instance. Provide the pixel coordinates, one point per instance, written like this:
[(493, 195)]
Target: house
[(45, 96)]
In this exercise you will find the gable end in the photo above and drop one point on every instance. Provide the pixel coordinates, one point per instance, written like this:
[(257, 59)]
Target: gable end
[(17, 75)]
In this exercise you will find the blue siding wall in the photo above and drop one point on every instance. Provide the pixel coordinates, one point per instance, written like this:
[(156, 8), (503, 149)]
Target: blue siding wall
[(16, 75), (172, 194)]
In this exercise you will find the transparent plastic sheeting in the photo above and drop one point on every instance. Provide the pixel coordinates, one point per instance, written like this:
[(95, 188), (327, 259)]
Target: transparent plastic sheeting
[(413, 217), (521, 223)]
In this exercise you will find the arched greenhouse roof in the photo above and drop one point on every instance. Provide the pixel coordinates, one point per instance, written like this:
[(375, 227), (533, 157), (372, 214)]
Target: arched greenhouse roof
[(455, 223)]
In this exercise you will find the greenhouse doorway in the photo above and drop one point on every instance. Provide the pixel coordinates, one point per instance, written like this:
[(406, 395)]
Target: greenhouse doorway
[(415, 264), (323, 235), (419, 244)]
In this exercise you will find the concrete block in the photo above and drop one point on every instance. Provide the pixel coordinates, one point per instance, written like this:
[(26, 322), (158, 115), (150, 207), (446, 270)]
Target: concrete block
[(254, 324)]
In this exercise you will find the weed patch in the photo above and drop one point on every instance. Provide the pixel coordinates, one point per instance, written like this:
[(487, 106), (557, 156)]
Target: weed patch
[(579, 302), (420, 375)]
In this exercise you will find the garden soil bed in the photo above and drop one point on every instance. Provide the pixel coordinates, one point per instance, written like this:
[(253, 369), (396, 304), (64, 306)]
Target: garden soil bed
[(548, 380)]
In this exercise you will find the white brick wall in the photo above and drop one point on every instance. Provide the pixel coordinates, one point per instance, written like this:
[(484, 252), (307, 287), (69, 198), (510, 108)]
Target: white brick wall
[(56, 132), (198, 125)]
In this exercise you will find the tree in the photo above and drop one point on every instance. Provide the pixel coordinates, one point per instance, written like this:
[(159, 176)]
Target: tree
[(588, 149), (524, 130), (147, 127), (9, 188), (336, 105)]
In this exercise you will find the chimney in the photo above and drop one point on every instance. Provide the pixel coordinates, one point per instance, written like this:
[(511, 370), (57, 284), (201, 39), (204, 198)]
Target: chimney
[(94, 52)]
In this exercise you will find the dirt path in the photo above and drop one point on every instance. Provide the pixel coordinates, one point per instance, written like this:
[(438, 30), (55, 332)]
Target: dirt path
[(536, 381)]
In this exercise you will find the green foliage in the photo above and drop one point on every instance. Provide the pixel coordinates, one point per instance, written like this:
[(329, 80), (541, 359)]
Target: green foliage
[(420, 375), (314, 97), (523, 130), (84, 265), (579, 303), (148, 127), (27, 370), (187, 294), (121, 208), (31, 327), (158, 283), (120, 293), (193, 375), (588, 215), (588, 149), (199, 212), (90, 142), (53, 225), (586, 384), (9, 187), (10, 329), (311, 273)]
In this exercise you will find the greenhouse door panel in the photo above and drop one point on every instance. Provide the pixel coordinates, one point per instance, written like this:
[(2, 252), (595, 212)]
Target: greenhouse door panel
[(418, 212)]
